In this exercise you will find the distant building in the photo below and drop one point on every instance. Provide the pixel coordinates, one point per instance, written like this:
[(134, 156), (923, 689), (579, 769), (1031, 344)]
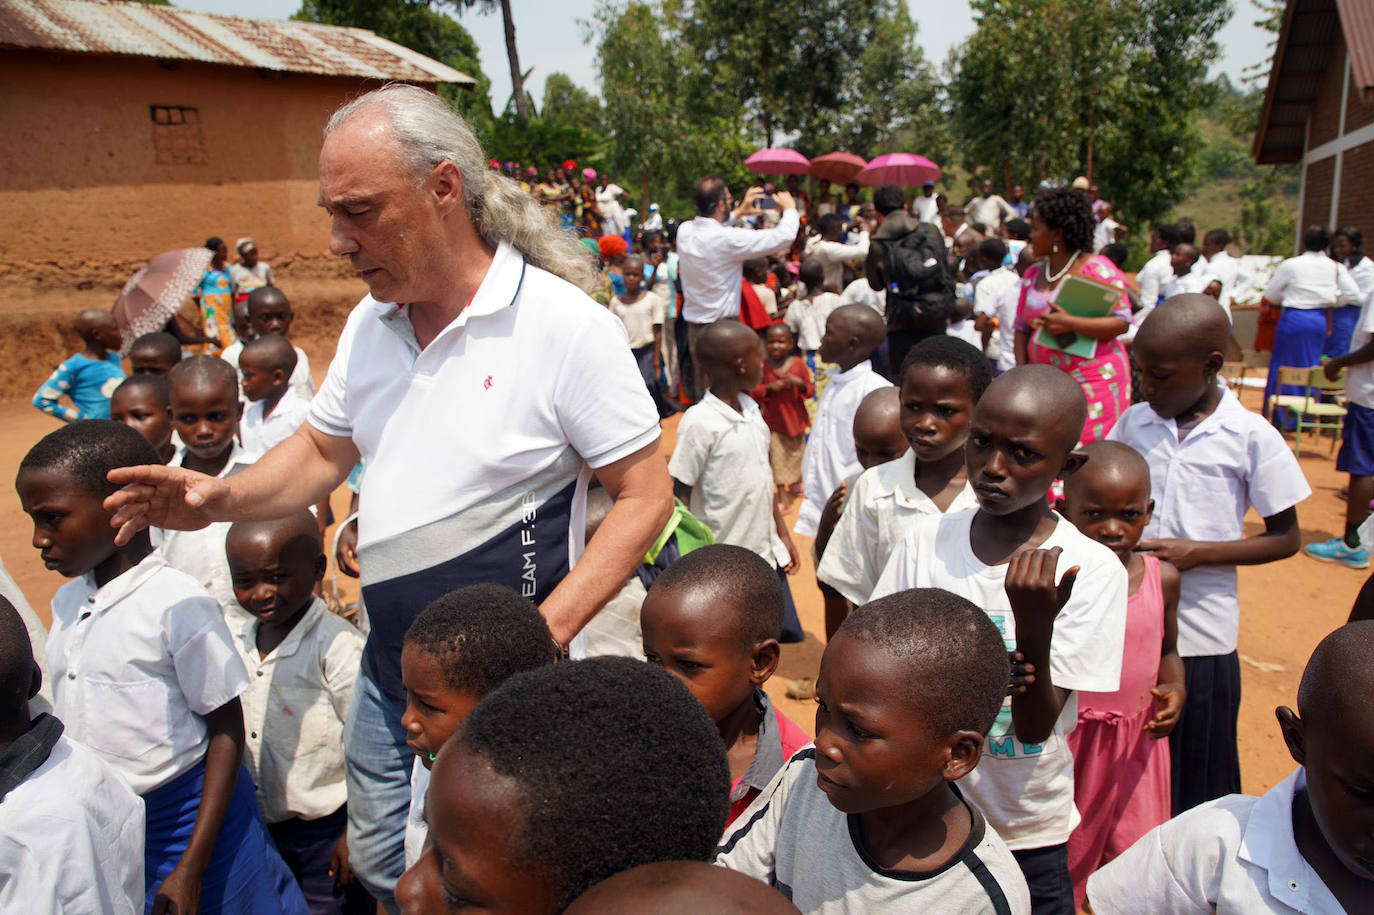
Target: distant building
[(132, 129), (1319, 110)]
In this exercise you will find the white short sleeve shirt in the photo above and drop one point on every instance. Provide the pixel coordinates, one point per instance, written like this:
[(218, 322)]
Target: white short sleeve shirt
[(807, 317), (136, 663), (880, 509), (1359, 379), (1026, 790), (260, 434), (640, 318), (1234, 854), (723, 455), (1203, 486), (1311, 280)]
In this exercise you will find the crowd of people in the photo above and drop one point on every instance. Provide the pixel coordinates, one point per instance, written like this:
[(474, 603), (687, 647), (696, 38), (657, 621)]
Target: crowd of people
[(1020, 476)]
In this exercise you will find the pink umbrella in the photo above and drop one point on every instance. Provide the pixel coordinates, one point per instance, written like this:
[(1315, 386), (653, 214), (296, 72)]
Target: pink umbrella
[(778, 161), (837, 167), (158, 291), (905, 169)]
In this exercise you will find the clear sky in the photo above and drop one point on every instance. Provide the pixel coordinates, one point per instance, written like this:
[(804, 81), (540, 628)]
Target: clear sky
[(548, 35)]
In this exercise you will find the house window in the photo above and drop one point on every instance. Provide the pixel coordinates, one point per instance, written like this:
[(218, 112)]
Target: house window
[(176, 135)]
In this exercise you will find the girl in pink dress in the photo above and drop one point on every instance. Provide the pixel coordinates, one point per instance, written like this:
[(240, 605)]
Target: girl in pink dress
[(1120, 756), (1061, 234)]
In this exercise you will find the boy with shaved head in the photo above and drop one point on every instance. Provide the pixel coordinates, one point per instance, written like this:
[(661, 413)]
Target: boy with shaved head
[(88, 378), (1211, 460), (1305, 846), (1057, 597)]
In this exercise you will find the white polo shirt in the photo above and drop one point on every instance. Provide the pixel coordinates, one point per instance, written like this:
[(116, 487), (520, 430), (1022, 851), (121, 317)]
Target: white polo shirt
[(294, 712), (71, 838), (830, 457), (1234, 854), (1202, 488), (723, 455), (478, 446), (879, 510), (1026, 789), (261, 434), (136, 663)]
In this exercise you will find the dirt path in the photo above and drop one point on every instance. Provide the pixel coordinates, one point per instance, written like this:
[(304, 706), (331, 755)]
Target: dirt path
[(1287, 607)]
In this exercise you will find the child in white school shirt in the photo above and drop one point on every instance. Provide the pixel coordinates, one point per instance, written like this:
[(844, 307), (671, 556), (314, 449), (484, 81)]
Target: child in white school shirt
[(1210, 461), (71, 829), (1304, 846), (1058, 598), (275, 411), (302, 662)]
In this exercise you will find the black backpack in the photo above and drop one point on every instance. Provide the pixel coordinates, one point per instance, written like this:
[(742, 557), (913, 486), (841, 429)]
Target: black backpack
[(920, 288)]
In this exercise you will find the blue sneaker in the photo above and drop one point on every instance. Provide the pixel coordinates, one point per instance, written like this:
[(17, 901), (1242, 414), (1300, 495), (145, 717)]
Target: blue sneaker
[(1335, 550)]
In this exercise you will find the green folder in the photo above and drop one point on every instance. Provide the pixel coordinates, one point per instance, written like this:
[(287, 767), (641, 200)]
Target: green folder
[(1083, 298)]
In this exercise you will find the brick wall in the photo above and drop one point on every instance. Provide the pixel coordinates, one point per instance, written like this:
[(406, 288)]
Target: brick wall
[(1325, 120), (1316, 200), (1356, 202), (1357, 113)]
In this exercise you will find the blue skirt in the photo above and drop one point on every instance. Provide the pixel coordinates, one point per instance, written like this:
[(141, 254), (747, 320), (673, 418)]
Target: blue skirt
[(1343, 321), (1298, 341), (246, 875)]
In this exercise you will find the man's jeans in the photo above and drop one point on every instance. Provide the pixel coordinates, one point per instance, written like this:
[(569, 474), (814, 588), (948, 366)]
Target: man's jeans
[(379, 765)]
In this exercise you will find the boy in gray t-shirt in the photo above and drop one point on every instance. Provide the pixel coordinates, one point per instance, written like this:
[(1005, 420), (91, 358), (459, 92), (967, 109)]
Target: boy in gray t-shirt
[(869, 818)]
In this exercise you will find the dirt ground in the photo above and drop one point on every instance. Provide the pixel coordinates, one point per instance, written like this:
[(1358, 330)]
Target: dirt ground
[(1287, 606)]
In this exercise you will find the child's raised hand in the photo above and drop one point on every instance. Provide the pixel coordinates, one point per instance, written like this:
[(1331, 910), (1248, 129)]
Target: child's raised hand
[(1022, 673), (1184, 554), (1169, 698), (1035, 598), (834, 506)]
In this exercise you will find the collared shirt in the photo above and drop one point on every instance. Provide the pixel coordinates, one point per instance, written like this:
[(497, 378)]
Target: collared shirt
[(723, 455), (135, 666), (1202, 487), (990, 211), (1151, 279), (1362, 272), (926, 209), (986, 298), (294, 712), (830, 457), (1025, 789), (778, 740), (807, 317), (1359, 378), (478, 446), (1226, 268), (879, 510), (261, 434), (71, 838), (834, 254), (1234, 854), (711, 256), (1192, 281), (301, 381), (38, 640), (1311, 280)]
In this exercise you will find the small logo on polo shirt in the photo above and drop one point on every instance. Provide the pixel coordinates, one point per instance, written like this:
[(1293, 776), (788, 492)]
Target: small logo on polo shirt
[(486, 385)]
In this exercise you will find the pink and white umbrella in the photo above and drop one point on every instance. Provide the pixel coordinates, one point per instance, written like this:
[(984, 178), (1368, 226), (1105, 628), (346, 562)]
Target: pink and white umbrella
[(157, 292), (906, 169), (778, 161), (837, 167)]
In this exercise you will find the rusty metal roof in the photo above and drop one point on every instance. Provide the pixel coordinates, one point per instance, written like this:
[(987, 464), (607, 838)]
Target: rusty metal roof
[(168, 33), (1311, 29)]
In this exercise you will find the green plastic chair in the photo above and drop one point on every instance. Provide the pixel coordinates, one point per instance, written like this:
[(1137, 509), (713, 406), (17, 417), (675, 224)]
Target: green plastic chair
[(1311, 410)]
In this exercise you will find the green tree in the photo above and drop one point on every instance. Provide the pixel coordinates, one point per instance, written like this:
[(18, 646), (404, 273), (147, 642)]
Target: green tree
[(568, 104)]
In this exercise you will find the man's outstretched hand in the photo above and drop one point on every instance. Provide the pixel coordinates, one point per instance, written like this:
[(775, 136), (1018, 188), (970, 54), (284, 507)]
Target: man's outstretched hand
[(169, 497)]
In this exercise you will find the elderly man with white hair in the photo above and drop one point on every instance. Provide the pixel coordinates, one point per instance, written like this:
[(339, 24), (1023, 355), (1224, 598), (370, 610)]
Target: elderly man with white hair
[(484, 388)]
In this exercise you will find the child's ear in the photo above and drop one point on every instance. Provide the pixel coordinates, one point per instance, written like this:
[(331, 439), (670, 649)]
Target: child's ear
[(764, 662), (320, 565), (1294, 733), (962, 752), (279, 375), (1074, 461), (36, 681), (238, 410), (1149, 511), (1214, 363)]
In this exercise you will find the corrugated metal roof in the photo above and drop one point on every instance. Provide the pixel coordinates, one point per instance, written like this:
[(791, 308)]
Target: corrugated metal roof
[(167, 33), (1310, 29)]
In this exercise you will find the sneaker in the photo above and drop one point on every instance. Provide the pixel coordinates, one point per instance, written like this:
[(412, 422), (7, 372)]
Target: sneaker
[(1335, 550)]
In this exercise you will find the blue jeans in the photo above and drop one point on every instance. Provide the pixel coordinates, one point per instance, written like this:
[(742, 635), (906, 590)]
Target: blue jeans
[(379, 764)]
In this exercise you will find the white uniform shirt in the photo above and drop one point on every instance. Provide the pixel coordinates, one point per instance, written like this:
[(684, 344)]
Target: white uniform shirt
[(1234, 854), (1226, 268), (834, 254), (723, 455), (38, 640), (830, 457), (301, 381), (1311, 280), (1362, 272), (807, 317), (1359, 379), (767, 298), (135, 665), (1202, 488), (1026, 790), (417, 830), (261, 434), (1151, 279), (1104, 234), (987, 297), (794, 839), (711, 256), (879, 510), (1192, 281), (641, 318), (71, 839), (294, 712), (860, 293), (989, 211), (926, 209)]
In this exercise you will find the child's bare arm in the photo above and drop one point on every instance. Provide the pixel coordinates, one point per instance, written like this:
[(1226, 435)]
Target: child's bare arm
[(1281, 539), (794, 560), (180, 892), (1169, 681), (1022, 348), (1035, 602), (830, 516)]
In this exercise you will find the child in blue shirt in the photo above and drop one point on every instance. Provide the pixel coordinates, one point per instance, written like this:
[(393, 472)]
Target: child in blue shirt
[(88, 378)]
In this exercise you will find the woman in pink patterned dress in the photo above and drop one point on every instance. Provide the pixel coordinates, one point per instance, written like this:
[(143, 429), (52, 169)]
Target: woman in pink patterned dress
[(1061, 236)]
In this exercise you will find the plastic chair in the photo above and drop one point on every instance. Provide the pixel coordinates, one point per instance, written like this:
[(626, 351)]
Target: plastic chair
[(1310, 410)]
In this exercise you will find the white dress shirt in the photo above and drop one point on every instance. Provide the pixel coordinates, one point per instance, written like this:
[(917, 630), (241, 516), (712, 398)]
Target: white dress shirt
[(1362, 272), (830, 457), (135, 665), (1192, 281), (989, 211), (926, 209), (806, 317), (294, 711), (710, 262), (834, 254), (1311, 280), (260, 434), (1234, 854), (722, 454), (38, 640), (1151, 279), (1202, 487), (1226, 268), (71, 839)]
